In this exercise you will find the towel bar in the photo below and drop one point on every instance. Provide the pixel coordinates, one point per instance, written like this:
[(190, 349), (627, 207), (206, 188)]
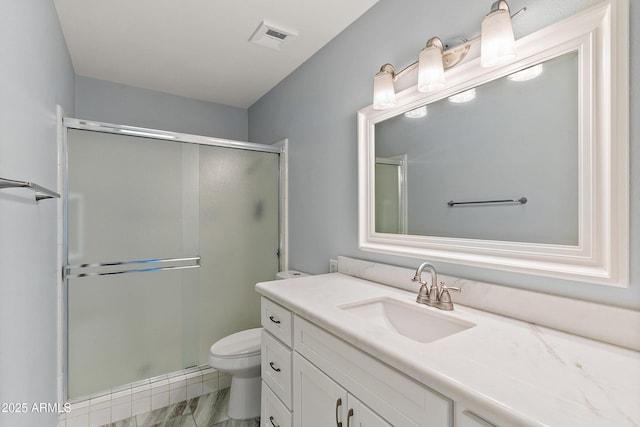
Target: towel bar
[(40, 192)]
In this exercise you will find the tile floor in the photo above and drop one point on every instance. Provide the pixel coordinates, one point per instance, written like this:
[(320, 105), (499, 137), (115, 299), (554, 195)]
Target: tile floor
[(209, 410)]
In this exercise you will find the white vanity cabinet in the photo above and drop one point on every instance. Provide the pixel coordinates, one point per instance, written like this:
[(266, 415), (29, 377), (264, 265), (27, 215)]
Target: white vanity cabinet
[(356, 340), (310, 377)]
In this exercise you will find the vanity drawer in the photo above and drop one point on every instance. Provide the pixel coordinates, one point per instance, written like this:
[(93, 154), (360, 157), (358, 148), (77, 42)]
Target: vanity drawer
[(276, 367), (277, 320), (397, 398), (273, 412)]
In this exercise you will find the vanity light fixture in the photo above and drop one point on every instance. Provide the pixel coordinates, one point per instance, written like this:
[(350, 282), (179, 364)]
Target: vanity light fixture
[(526, 74), (431, 66), (497, 43), (497, 47), (384, 95)]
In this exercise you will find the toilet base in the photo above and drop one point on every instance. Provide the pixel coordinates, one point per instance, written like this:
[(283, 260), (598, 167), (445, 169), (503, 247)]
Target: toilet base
[(244, 398)]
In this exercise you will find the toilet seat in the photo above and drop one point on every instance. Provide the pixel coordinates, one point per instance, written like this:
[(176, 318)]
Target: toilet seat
[(239, 345)]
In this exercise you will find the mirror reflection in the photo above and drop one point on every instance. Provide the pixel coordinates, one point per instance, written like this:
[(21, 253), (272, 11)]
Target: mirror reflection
[(511, 138)]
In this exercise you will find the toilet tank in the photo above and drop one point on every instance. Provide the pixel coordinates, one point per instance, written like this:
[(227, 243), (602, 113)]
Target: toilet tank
[(290, 274)]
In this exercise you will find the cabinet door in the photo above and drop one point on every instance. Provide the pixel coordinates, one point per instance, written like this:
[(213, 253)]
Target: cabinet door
[(318, 401), (362, 416)]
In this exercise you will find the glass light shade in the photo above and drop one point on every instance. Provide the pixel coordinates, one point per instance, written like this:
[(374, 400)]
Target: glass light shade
[(497, 43), (384, 95), (430, 69)]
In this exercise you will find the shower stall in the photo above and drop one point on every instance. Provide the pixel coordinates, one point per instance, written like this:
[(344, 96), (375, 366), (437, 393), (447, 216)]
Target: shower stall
[(166, 235)]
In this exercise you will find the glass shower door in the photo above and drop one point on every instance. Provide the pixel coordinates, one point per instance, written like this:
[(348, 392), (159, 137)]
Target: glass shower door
[(239, 238), (139, 199), (129, 199)]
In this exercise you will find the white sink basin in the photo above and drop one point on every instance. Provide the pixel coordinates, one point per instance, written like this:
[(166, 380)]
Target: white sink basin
[(410, 320)]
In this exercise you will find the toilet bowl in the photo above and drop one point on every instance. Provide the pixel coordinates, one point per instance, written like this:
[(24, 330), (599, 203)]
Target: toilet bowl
[(239, 356)]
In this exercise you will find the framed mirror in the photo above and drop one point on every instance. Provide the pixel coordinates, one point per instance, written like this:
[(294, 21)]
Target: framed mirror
[(521, 168)]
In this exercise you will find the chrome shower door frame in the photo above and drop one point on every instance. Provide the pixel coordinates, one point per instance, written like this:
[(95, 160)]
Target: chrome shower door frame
[(68, 271)]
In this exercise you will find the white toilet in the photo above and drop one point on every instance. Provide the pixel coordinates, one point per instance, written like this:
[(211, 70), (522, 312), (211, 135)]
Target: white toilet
[(239, 356)]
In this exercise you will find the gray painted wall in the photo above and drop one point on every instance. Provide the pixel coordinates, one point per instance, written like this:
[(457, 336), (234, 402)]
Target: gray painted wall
[(127, 105), (315, 107), (36, 74)]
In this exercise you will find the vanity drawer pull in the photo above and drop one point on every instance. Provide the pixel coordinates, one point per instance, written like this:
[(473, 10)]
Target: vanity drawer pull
[(274, 368), (274, 320), (338, 405), (349, 415), (272, 423)]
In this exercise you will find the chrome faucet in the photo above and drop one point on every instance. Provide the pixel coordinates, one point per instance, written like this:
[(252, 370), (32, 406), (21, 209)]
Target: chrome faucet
[(423, 294), (434, 296)]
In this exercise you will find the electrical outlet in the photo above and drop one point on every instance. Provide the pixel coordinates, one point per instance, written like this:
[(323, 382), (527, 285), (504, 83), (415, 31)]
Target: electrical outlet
[(333, 265)]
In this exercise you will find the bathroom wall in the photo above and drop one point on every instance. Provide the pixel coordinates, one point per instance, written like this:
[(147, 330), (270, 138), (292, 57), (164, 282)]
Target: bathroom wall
[(127, 105), (35, 75), (315, 108)]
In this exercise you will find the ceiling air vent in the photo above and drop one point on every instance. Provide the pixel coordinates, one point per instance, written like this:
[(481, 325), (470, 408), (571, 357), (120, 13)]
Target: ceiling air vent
[(272, 36)]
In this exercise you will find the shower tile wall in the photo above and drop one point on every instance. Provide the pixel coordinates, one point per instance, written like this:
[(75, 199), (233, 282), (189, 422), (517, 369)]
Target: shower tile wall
[(142, 397)]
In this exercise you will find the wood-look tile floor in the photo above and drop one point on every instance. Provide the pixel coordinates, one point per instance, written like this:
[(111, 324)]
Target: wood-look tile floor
[(209, 410)]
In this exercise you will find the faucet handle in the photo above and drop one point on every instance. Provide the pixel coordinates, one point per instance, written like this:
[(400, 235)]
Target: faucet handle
[(444, 299), (423, 294), (450, 288), (444, 288)]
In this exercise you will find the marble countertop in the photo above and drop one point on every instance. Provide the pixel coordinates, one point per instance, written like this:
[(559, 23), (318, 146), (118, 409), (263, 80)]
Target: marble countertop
[(525, 374)]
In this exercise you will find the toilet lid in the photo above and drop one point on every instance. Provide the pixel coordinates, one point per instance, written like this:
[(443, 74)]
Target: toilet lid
[(240, 344)]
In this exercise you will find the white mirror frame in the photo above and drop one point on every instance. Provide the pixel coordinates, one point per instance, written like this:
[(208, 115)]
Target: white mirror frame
[(601, 36)]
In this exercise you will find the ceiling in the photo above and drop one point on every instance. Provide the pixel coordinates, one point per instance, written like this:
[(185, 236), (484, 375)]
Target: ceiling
[(198, 48)]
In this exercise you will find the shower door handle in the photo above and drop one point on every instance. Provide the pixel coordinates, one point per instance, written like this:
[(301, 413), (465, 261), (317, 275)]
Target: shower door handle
[(149, 265)]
